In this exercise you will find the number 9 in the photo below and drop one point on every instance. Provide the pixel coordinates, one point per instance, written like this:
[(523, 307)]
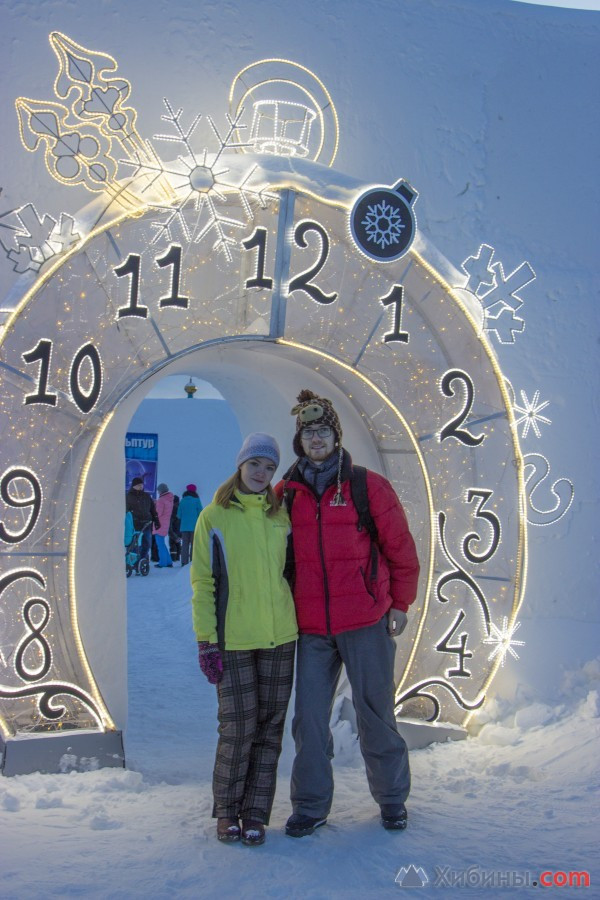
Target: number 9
[(34, 500)]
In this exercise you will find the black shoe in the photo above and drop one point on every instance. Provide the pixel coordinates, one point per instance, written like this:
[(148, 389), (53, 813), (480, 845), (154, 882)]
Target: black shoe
[(394, 818), (298, 825)]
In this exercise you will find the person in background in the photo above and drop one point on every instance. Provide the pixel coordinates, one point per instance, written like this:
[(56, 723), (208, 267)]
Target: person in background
[(164, 507), (173, 540), (245, 624), (190, 508), (141, 506), (355, 575)]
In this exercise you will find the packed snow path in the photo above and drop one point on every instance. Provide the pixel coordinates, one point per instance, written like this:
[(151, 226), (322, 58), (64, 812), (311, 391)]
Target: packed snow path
[(522, 797)]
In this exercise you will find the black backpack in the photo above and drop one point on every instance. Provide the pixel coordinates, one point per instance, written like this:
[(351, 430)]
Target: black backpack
[(360, 499)]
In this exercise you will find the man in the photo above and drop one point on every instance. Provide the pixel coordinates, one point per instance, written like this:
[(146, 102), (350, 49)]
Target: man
[(352, 587), (142, 508)]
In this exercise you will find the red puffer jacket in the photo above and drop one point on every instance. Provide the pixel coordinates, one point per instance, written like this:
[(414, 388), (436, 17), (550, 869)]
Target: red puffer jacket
[(338, 587)]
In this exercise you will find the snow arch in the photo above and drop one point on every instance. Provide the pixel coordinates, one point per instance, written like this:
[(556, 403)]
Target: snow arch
[(294, 303)]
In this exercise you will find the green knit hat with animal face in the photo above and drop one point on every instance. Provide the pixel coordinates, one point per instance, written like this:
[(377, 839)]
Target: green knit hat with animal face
[(314, 410)]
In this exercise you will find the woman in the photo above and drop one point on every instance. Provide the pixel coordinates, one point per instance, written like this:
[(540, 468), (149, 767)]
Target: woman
[(245, 624), (164, 508)]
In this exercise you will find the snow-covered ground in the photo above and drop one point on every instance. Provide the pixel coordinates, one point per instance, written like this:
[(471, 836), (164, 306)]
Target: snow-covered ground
[(521, 797)]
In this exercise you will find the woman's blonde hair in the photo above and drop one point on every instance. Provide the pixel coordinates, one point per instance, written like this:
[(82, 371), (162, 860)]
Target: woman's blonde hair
[(225, 492)]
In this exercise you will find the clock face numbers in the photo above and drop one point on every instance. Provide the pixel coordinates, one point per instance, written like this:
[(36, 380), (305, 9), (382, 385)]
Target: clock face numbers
[(131, 267), (28, 498), (258, 240), (452, 428), (305, 280), (386, 331)]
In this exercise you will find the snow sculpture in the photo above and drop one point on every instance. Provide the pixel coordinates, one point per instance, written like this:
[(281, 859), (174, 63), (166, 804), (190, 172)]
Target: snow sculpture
[(266, 262)]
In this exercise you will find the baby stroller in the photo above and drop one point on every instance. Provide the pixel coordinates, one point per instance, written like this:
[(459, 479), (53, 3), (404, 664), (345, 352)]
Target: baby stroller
[(134, 561)]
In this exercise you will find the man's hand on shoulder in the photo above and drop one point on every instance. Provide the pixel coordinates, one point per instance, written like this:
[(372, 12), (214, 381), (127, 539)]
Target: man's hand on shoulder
[(396, 622)]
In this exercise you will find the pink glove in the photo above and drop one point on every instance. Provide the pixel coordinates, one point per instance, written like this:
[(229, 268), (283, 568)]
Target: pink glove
[(210, 660)]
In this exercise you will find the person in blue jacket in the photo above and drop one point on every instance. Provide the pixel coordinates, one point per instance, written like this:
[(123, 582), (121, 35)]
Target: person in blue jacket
[(190, 507)]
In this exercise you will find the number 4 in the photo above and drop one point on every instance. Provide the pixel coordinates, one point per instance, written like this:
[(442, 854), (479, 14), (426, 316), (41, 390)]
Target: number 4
[(460, 649)]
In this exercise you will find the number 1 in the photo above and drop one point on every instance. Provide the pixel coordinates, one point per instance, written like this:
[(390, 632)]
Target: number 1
[(395, 298)]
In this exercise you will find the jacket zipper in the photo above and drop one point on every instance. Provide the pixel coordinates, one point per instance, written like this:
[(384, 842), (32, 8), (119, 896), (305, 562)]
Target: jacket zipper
[(322, 554), (369, 592)]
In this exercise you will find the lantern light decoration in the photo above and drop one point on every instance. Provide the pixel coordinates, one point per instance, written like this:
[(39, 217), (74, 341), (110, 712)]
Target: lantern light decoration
[(232, 246)]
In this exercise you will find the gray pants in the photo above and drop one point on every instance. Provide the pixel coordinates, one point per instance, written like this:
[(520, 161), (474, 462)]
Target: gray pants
[(187, 541), (368, 654)]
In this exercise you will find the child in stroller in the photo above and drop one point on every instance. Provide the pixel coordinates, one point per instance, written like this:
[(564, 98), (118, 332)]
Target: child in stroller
[(134, 561)]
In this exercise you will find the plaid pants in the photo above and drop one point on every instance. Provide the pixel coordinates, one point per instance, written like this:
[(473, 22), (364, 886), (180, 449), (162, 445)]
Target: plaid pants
[(253, 699)]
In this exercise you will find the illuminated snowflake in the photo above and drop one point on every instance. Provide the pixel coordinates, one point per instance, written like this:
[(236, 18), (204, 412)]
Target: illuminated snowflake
[(504, 640), (199, 180), (383, 223), (497, 291), (36, 240), (505, 324), (530, 414)]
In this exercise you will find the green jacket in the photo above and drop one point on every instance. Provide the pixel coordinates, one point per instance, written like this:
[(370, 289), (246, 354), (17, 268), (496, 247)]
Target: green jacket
[(241, 600)]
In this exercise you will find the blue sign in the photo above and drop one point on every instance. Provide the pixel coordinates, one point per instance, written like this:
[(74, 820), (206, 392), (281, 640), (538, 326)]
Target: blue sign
[(141, 459)]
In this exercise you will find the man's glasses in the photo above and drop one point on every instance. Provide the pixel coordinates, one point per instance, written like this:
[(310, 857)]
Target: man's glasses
[(324, 431)]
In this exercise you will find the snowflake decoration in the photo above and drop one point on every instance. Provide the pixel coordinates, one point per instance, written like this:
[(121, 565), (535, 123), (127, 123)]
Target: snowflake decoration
[(478, 270), (36, 240), (497, 291), (200, 181), (383, 224), (504, 325), (530, 414), (504, 640)]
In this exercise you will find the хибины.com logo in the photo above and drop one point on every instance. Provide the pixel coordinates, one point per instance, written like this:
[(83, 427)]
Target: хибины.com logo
[(475, 877)]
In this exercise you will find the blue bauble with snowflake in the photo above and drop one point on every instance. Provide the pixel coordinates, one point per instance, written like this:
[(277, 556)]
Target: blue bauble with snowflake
[(383, 223)]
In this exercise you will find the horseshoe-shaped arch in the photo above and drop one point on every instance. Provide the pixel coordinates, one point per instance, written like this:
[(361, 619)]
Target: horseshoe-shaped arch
[(299, 305)]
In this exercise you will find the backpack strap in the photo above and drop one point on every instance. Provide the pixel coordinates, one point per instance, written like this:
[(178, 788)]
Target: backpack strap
[(288, 499), (360, 499)]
